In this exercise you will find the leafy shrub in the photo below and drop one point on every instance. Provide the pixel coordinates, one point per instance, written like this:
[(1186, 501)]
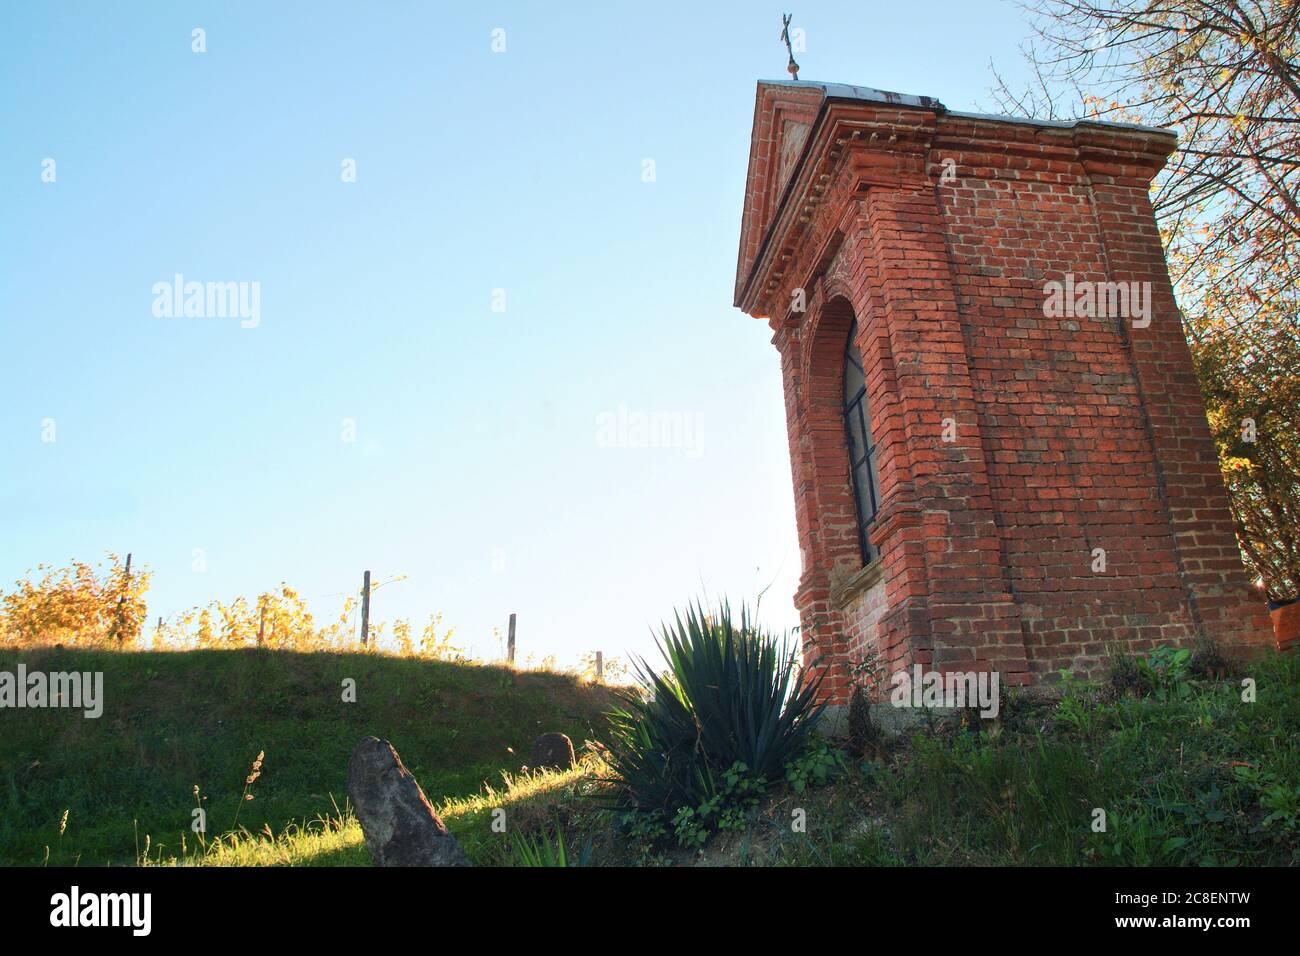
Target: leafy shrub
[(814, 767), (730, 808), (1279, 799), (1165, 672), (731, 696), (90, 606), (643, 832), (80, 606)]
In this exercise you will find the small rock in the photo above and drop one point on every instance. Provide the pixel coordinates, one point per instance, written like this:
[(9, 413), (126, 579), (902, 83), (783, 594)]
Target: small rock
[(397, 819), (553, 751)]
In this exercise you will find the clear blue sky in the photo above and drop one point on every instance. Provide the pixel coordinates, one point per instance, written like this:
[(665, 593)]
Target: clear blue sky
[(477, 468)]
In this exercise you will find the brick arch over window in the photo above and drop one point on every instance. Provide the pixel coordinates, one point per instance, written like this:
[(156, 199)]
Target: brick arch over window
[(837, 504)]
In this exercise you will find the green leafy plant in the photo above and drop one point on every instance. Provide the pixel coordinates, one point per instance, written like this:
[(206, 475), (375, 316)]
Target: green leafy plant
[(728, 809), (1165, 671), (1283, 804), (731, 695), (644, 831), (815, 767), (1281, 799), (691, 824)]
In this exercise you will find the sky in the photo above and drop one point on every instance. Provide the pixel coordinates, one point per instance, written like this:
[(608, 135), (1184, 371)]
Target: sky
[(478, 272)]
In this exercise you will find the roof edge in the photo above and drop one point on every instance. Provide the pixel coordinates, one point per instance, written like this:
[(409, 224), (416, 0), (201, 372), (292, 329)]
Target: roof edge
[(869, 94)]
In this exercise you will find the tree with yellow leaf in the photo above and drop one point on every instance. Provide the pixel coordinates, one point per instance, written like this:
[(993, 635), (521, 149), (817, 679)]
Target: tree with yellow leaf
[(80, 605), (1254, 410)]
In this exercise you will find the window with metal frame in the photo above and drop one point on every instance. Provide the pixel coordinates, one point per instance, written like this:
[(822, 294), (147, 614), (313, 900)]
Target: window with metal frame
[(862, 450)]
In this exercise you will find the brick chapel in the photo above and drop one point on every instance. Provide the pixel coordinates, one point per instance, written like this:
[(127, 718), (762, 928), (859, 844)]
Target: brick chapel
[(992, 471)]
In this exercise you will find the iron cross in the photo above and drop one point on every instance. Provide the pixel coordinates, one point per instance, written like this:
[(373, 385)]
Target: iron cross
[(792, 67)]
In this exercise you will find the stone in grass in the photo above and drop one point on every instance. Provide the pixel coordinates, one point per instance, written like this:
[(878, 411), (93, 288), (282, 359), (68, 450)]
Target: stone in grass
[(397, 819), (553, 751)]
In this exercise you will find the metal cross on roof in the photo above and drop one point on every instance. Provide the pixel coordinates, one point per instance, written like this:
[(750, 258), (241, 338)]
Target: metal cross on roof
[(792, 66)]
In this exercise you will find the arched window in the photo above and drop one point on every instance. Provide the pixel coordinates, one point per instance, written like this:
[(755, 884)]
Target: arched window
[(862, 450)]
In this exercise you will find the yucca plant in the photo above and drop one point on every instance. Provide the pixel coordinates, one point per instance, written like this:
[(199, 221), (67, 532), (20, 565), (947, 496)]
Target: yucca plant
[(731, 694), (541, 850)]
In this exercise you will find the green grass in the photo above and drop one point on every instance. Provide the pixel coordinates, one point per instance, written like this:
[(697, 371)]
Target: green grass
[(536, 806), (1198, 778), (325, 842), (175, 720)]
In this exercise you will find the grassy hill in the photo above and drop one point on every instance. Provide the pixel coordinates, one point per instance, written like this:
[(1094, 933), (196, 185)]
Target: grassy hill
[(1187, 769), (172, 721)]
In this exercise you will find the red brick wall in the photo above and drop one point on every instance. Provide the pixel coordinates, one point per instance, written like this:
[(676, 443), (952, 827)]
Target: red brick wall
[(937, 233)]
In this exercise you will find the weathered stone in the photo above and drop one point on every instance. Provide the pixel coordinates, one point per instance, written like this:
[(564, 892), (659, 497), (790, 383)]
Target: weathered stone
[(397, 819), (553, 751)]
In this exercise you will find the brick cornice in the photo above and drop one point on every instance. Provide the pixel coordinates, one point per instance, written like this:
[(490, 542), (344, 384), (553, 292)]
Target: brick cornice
[(888, 141), (850, 149), (1133, 156)]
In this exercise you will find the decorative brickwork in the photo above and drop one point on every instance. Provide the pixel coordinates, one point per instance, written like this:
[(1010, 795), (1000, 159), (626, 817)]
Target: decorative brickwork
[(1046, 477)]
